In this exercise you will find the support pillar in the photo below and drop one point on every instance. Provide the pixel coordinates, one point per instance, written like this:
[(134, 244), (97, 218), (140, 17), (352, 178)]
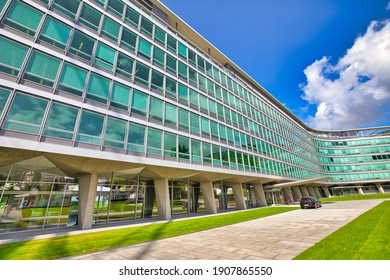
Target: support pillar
[(260, 195), (208, 197), (380, 188), (311, 191), (326, 191), (304, 191), (161, 187), (239, 197), (297, 192), (317, 192), (288, 197), (360, 190), (87, 196)]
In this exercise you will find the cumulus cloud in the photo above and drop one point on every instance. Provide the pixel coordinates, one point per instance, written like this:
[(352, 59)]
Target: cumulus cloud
[(354, 92)]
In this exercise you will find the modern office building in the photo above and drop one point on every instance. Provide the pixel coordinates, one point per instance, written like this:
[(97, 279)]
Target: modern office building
[(117, 110)]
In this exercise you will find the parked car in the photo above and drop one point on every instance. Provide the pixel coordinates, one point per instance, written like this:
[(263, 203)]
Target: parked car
[(310, 202)]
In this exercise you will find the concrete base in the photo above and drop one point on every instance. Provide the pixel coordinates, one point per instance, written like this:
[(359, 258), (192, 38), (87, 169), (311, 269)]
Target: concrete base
[(260, 195), (161, 188), (239, 196), (87, 196), (208, 197)]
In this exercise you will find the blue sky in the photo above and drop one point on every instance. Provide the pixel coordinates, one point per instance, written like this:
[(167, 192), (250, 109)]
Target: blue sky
[(302, 52)]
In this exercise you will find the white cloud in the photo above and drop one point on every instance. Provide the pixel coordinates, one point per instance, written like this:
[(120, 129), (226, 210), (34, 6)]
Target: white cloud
[(388, 7), (356, 91)]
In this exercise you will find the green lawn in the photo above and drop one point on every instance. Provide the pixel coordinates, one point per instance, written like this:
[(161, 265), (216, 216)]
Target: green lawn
[(356, 197), (365, 238), (58, 247)]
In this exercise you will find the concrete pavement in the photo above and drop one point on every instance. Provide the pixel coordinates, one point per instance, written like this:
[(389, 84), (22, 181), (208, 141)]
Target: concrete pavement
[(278, 237)]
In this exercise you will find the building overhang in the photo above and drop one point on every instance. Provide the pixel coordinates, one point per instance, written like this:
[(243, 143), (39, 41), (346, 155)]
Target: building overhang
[(298, 183)]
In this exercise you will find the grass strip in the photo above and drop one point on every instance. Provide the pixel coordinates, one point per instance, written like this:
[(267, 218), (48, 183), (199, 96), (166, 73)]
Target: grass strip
[(63, 246), (356, 197), (365, 238)]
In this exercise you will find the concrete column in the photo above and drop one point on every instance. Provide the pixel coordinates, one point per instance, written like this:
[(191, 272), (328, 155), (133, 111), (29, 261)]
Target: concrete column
[(360, 190), (311, 191), (326, 191), (304, 191), (297, 192), (87, 196), (288, 197), (208, 197), (260, 195), (317, 192), (239, 196), (161, 187), (380, 188)]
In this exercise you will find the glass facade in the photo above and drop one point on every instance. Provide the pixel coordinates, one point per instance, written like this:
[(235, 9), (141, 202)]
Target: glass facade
[(122, 83)]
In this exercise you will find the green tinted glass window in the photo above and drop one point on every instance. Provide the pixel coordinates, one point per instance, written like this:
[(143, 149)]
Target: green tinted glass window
[(222, 132), (144, 48), (195, 151), (90, 17), (171, 64), (23, 17), (98, 88), (26, 114), (82, 45), (42, 69), (159, 35), (132, 16), (206, 152), (115, 133), (157, 81), (124, 65), (200, 63), (12, 56), (204, 103), (128, 40), (142, 73), (116, 6), (136, 138), (91, 127), (170, 114), (192, 57), (2, 5), (120, 96), (214, 129), (212, 107), (194, 99), (210, 87), (182, 50), (110, 29), (183, 118), (183, 93), (158, 57), (72, 79), (104, 56), (195, 125), (184, 147), (4, 94), (139, 103), (202, 82), (68, 7), (183, 69), (146, 27), (55, 33), (156, 109), (170, 142), (170, 87), (172, 43), (61, 121), (193, 77), (154, 141), (205, 126)]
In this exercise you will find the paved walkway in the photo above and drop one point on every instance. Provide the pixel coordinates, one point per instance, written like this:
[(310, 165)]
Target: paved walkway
[(279, 237)]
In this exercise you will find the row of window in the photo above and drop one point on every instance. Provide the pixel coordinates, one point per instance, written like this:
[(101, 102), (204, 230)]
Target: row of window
[(352, 160), (356, 151), (58, 34), (27, 114), (361, 177), (350, 143), (357, 168)]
